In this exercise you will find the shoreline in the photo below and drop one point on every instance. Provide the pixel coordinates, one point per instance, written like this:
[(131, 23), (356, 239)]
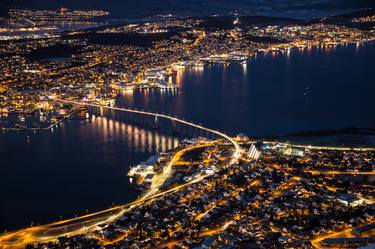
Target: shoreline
[(3, 129)]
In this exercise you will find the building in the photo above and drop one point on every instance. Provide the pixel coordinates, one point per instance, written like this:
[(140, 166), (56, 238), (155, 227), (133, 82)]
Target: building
[(350, 200)]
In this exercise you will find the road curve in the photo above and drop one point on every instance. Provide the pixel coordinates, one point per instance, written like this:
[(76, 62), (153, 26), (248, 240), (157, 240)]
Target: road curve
[(236, 155), (45, 233)]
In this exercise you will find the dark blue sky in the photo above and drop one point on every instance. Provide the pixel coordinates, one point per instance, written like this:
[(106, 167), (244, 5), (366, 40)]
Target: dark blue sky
[(142, 8)]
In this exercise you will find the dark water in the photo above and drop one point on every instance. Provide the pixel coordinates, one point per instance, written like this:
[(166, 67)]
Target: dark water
[(82, 165), (275, 94)]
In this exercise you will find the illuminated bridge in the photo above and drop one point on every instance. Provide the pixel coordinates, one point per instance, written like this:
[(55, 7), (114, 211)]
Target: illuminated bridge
[(156, 116), (90, 222)]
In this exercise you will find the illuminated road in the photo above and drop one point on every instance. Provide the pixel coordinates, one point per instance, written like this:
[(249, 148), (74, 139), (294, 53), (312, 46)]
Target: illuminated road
[(199, 38), (325, 172), (75, 226), (159, 180), (345, 233), (340, 172), (236, 155), (90, 222)]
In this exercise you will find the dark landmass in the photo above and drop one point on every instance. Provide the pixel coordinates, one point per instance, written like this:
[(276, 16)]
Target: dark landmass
[(344, 136), (135, 39), (53, 52), (346, 19), (331, 132), (355, 14), (213, 23), (333, 5), (251, 20), (260, 39)]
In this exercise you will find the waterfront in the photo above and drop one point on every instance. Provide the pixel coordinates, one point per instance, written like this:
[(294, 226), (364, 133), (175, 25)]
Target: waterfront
[(271, 94), (78, 167), (275, 93)]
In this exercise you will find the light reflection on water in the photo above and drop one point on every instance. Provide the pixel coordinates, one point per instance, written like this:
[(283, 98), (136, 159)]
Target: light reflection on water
[(137, 139), (80, 165), (276, 93)]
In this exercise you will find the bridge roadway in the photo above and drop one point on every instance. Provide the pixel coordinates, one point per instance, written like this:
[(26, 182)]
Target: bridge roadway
[(90, 222), (236, 154)]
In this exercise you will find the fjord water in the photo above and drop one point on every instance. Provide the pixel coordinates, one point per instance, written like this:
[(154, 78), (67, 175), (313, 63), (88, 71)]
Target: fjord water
[(303, 90), (82, 164), (78, 167)]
